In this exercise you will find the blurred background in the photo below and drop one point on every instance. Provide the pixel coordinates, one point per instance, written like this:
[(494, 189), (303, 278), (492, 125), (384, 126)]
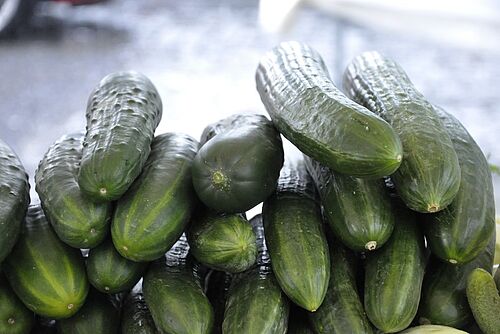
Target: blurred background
[(202, 57)]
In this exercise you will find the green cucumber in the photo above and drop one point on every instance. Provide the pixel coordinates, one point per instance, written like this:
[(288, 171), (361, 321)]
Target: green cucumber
[(15, 318), (122, 114), (14, 198), (217, 287), (497, 278), (319, 119), (359, 211), (136, 318), (109, 272), (238, 168), (432, 329), (293, 226), (394, 274), (174, 295), (459, 233), (429, 176), (156, 209), (298, 322), (45, 273), (484, 300), (78, 221)]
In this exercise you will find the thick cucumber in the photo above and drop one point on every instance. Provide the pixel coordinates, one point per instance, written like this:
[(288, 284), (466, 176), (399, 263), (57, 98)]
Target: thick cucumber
[(255, 302), (432, 329), (394, 274), (174, 295), (224, 242), (293, 226), (47, 275), (298, 322), (109, 272), (14, 198), (429, 176), (77, 220), (319, 119), (217, 287), (123, 112), (484, 300), (461, 232), (136, 318), (15, 318), (238, 168), (154, 212), (359, 211)]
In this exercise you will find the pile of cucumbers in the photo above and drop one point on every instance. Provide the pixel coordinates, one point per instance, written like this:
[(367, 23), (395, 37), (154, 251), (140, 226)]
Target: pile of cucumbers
[(385, 224)]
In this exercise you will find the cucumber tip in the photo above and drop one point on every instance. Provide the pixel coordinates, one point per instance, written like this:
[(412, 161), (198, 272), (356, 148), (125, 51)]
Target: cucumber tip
[(70, 306), (453, 261), (103, 191), (11, 321), (433, 208), (371, 245)]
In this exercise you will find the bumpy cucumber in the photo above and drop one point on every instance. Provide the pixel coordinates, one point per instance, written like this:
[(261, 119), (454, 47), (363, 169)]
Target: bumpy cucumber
[(77, 220), (14, 198), (238, 168), (136, 318), (217, 287), (484, 300), (319, 119), (122, 114), (46, 274), (429, 176), (433, 329), (293, 226), (15, 318), (461, 232), (154, 212)]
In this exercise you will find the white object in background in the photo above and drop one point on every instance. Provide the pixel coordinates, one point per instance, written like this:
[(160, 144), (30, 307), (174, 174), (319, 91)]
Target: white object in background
[(275, 14)]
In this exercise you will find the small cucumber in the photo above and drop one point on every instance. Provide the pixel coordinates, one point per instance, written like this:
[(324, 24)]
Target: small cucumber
[(484, 300), (217, 287), (136, 318), (432, 329), (15, 318)]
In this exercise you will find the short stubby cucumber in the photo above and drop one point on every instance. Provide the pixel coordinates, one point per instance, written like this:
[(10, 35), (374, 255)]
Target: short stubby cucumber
[(15, 318), (319, 119), (484, 300), (123, 112), (136, 318)]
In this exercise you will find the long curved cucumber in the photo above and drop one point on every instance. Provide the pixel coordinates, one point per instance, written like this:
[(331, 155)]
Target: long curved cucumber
[(319, 119), (15, 318), (77, 220), (136, 317), (123, 112), (433, 329), (484, 300), (429, 176)]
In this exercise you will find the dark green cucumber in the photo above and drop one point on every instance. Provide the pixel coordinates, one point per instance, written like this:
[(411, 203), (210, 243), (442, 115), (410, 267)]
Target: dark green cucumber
[(15, 318), (319, 119), (97, 316), (433, 329), (109, 272), (174, 294), (394, 274), (77, 220), (459, 233), (224, 242), (255, 303), (429, 176), (298, 323), (342, 310), (14, 198), (217, 287), (238, 168), (136, 318), (154, 212), (359, 211), (484, 300), (46, 274), (297, 245), (123, 112)]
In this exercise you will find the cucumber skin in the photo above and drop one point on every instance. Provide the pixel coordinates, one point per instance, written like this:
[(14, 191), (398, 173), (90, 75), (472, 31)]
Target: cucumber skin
[(460, 232), (433, 329), (484, 300), (136, 318), (497, 278), (78, 221), (14, 198), (123, 112), (15, 318), (306, 107), (40, 263), (293, 227), (429, 176), (394, 275), (359, 211), (156, 209)]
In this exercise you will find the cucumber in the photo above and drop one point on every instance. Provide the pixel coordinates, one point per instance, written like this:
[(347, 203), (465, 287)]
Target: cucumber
[(342, 310), (109, 272), (78, 221), (293, 228), (217, 287), (15, 318), (359, 211), (238, 168), (484, 300), (429, 176), (154, 212), (298, 322), (14, 198), (432, 329), (319, 119), (255, 303), (497, 245), (459, 233), (136, 318), (497, 278), (224, 242), (45, 273), (394, 274), (174, 295), (123, 112)]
